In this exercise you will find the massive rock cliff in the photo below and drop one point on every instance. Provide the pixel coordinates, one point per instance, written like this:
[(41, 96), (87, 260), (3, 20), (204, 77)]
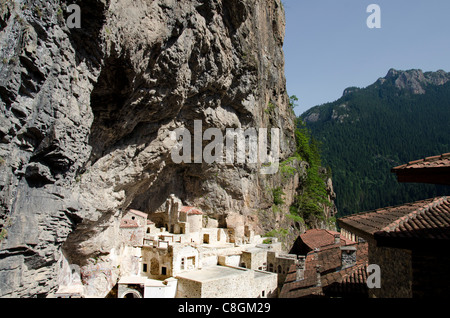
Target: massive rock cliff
[(86, 116)]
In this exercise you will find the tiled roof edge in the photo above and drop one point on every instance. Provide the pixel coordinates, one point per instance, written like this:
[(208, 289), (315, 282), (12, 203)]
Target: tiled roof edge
[(427, 159), (138, 213), (355, 268), (381, 209), (189, 210), (397, 223)]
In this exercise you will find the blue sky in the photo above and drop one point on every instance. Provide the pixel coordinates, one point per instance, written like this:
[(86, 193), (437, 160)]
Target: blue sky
[(328, 46)]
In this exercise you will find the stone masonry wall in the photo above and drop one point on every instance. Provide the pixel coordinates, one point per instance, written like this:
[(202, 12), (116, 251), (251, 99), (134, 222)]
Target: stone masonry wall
[(396, 272)]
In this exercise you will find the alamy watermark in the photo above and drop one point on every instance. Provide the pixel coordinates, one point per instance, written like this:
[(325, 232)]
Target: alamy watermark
[(374, 276), (250, 144), (374, 19), (255, 140), (74, 19), (237, 146)]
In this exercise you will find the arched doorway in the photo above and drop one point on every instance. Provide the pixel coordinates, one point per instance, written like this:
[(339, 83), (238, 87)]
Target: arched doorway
[(131, 293)]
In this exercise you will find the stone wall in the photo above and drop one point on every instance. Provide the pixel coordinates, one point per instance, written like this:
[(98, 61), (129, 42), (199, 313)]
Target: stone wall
[(264, 285), (396, 272), (241, 283), (249, 284), (132, 235), (431, 273), (188, 288), (186, 256), (254, 259), (155, 259), (230, 286), (280, 264)]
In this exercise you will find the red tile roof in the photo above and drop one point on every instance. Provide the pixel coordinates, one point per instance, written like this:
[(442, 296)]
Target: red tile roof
[(329, 262), (428, 225), (429, 162), (191, 210), (318, 238), (310, 275), (350, 282), (422, 220), (434, 170), (138, 213)]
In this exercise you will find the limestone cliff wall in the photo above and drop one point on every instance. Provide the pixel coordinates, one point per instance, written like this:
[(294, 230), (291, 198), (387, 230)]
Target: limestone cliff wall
[(86, 115)]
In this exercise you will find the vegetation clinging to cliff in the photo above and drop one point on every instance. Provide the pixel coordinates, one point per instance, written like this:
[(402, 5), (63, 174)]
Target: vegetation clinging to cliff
[(312, 198)]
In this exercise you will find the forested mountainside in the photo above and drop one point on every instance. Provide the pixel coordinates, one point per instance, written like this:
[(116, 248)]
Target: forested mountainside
[(402, 117)]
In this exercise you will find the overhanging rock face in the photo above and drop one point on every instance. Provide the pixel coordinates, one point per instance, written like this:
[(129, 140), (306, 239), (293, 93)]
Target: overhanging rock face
[(86, 116)]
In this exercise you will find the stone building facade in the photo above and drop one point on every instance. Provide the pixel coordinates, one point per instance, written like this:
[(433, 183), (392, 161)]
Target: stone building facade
[(133, 227), (175, 245), (227, 282), (407, 243), (396, 272)]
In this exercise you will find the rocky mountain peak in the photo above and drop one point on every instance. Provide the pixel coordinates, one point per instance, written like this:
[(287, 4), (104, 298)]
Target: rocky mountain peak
[(415, 80), (350, 90)]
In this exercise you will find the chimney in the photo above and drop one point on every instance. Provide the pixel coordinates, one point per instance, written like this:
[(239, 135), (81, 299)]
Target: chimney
[(316, 253), (319, 281), (348, 256), (300, 267), (337, 238)]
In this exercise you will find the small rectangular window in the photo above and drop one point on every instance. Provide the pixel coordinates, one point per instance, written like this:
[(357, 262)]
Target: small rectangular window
[(191, 262), (144, 268)]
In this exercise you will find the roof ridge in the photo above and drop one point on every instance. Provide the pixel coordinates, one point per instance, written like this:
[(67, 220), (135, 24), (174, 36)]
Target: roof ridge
[(426, 159), (139, 213), (430, 158), (331, 232), (190, 210), (386, 208), (412, 215)]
